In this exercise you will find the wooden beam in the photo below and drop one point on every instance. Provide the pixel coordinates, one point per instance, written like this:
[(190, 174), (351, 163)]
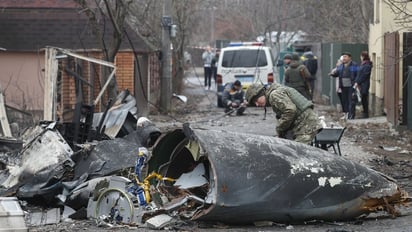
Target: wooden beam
[(50, 85)]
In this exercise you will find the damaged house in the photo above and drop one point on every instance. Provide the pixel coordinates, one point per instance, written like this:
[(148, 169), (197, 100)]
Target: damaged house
[(29, 27), (45, 38)]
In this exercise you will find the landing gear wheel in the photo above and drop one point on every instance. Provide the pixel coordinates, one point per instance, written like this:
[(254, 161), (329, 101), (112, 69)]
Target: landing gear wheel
[(115, 205)]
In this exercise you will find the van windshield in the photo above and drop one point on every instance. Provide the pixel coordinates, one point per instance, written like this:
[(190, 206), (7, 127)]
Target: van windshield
[(244, 58)]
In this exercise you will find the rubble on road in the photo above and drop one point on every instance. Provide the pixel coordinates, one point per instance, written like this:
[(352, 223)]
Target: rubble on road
[(242, 187), (116, 169), (210, 176), (52, 169), (194, 174)]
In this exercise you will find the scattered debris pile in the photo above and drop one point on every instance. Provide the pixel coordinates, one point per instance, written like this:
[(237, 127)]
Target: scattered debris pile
[(240, 178), (128, 172), (48, 166)]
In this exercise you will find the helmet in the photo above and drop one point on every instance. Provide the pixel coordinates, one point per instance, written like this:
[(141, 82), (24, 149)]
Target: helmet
[(253, 92)]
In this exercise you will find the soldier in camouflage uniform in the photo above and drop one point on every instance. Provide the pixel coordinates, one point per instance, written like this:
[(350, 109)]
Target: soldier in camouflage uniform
[(293, 111)]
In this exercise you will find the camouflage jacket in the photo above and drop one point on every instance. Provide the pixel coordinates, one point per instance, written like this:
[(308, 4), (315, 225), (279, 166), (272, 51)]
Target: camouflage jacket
[(294, 113)]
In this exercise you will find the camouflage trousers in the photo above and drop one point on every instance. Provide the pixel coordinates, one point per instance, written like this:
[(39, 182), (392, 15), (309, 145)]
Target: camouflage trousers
[(306, 126)]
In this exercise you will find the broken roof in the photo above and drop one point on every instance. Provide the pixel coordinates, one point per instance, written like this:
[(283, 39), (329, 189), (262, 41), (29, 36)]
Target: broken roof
[(30, 26)]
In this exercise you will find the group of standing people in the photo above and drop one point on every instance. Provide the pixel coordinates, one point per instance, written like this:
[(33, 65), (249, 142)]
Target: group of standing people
[(352, 83), (353, 80)]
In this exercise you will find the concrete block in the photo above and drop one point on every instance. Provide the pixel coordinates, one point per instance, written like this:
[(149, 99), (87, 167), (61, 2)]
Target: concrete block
[(159, 221), (11, 215)]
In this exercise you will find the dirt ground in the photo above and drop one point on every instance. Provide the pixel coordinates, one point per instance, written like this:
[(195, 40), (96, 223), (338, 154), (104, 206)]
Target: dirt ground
[(372, 142), (388, 150)]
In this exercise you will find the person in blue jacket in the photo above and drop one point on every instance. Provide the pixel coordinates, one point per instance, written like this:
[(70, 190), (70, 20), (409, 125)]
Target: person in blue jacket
[(233, 98), (362, 81), (347, 73)]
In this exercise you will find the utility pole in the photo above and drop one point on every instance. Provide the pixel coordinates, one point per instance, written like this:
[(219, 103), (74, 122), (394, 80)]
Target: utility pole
[(166, 80)]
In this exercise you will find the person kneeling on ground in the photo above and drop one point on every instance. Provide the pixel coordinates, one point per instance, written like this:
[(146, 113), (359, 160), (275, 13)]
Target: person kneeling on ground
[(233, 99), (293, 111)]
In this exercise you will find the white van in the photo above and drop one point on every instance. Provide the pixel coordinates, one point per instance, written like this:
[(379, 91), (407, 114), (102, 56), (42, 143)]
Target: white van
[(247, 62)]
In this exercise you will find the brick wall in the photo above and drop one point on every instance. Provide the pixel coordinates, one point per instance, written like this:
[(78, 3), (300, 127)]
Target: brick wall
[(91, 72), (125, 71)]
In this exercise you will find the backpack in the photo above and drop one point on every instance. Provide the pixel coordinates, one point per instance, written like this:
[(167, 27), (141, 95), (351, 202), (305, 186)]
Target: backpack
[(311, 64)]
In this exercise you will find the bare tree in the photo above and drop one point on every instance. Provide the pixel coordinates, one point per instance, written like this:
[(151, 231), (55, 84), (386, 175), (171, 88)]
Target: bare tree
[(183, 11), (202, 22), (115, 11), (277, 21), (338, 21), (144, 17), (323, 21), (403, 14)]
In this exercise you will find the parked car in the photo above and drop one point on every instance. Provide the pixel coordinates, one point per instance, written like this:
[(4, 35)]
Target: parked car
[(248, 62)]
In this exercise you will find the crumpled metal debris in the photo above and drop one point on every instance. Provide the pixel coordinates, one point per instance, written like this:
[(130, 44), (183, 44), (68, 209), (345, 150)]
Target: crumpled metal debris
[(44, 217), (41, 163), (52, 168), (238, 178), (120, 120), (106, 158), (195, 174), (257, 178)]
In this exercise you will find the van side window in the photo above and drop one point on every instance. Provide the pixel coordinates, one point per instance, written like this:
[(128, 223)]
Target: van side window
[(244, 58)]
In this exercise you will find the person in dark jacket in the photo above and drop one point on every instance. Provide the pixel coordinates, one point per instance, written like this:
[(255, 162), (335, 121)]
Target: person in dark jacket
[(214, 66), (233, 99), (362, 81), (311, 63), (296, 76), (347, 73)]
